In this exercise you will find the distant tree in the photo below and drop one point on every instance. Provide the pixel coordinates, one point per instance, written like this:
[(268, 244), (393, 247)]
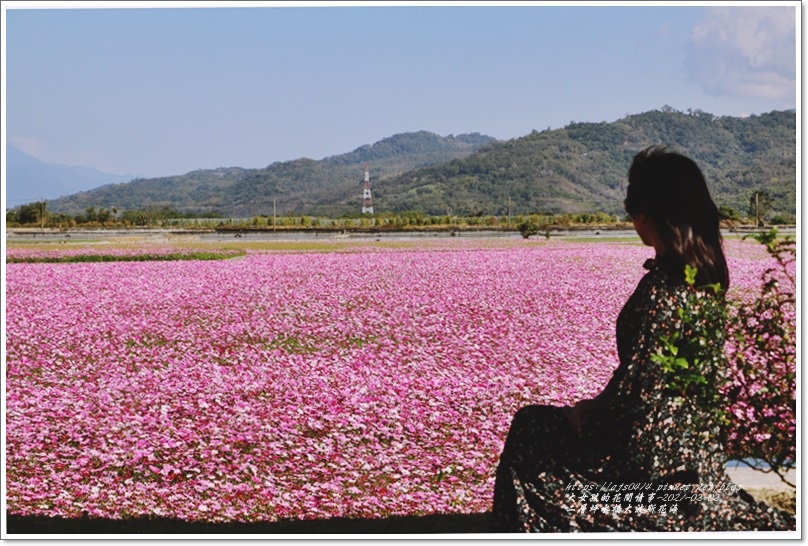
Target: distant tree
[(782, 219), (728, 213), (134, 217), (90, 214), (60, 220), (528, 228), (32, 213)]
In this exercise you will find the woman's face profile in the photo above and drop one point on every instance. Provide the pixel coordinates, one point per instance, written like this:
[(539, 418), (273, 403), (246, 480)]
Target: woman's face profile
[(644, 227)]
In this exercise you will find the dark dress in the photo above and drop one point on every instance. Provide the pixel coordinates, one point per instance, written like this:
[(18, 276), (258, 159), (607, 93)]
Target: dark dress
[(647, 460)]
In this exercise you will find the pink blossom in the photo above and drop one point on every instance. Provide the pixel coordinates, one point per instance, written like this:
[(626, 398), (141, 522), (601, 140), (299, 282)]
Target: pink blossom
[(366, 382)]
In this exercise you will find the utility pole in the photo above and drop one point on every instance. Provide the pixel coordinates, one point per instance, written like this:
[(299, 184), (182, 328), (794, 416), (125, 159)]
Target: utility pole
[(274, 216), (42, 213), (509, 211)]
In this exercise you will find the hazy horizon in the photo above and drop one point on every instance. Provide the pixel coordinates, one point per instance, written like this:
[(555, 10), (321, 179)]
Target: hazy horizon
[(174, 87)]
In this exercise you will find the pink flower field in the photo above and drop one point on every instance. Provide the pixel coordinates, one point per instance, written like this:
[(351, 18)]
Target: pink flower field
[(365, 383)]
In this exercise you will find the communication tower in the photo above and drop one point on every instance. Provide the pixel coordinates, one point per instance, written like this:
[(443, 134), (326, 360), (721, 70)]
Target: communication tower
[(367, 201)]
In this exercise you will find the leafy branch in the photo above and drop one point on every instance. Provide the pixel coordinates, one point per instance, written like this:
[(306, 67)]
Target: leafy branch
[(692, 365), (751, 390), (761, 349)]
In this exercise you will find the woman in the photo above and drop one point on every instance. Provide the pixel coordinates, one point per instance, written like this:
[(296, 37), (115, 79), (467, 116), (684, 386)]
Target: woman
[(642, 455)]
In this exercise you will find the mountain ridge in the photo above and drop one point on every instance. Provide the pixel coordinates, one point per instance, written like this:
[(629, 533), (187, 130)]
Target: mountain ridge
[(297, 185), (582, 167), (577, 168), (25, 174)]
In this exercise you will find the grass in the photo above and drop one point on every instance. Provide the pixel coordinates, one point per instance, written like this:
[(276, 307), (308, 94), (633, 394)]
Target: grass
[(146, 257)]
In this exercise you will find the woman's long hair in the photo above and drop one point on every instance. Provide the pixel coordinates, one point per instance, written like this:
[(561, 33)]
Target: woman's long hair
[(671, 189)]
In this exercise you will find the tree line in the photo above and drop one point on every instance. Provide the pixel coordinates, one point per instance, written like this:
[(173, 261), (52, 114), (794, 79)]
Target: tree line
[(36, 214)]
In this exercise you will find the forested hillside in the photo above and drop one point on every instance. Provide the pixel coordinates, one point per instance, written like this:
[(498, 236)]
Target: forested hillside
[(579, 168), (328, 187), (582, 167)]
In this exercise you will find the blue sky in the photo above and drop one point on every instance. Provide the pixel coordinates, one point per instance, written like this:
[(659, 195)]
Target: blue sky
[(136, 89)]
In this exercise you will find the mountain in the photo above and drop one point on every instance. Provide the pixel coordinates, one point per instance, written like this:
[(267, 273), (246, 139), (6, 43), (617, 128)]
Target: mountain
[(28, 179), (579, 168), (329, 187), (583, 167)]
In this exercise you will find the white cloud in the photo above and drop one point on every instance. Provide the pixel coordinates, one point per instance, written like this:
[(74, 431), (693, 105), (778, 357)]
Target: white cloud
[(745, 52)]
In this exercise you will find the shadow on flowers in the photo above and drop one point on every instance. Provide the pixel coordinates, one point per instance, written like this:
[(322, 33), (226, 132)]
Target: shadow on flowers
[(429, 524)]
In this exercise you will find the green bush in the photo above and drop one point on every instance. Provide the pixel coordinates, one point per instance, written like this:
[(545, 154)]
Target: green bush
[(528, 228)]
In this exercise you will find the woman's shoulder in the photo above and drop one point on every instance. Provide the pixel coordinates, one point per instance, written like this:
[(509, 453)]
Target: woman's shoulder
[(669, 265), (661, 284), (667, 273)]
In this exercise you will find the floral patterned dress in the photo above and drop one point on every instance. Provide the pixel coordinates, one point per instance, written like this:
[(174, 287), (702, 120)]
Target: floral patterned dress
[(647, 460)]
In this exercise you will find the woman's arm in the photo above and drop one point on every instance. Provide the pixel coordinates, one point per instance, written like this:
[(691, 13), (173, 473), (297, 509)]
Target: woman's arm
[(582, 411), (647, 317)]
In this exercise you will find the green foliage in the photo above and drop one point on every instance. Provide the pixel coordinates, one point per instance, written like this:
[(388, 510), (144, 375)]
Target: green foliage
[(158, 215), (692, 358), (582, 167), (578, 169), (729, 213), (328, 187), (145, 257), (31, 213), (528, 228), (783, 219), (755, 398)]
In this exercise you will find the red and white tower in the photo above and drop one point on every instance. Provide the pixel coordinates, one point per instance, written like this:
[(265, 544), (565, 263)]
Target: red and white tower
[(367, 201)]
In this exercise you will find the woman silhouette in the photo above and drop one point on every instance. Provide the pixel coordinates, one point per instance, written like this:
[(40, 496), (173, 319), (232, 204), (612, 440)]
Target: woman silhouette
[(639, 456)]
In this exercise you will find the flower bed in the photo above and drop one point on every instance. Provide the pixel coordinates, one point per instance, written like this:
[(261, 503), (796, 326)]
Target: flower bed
[(300, 385)]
